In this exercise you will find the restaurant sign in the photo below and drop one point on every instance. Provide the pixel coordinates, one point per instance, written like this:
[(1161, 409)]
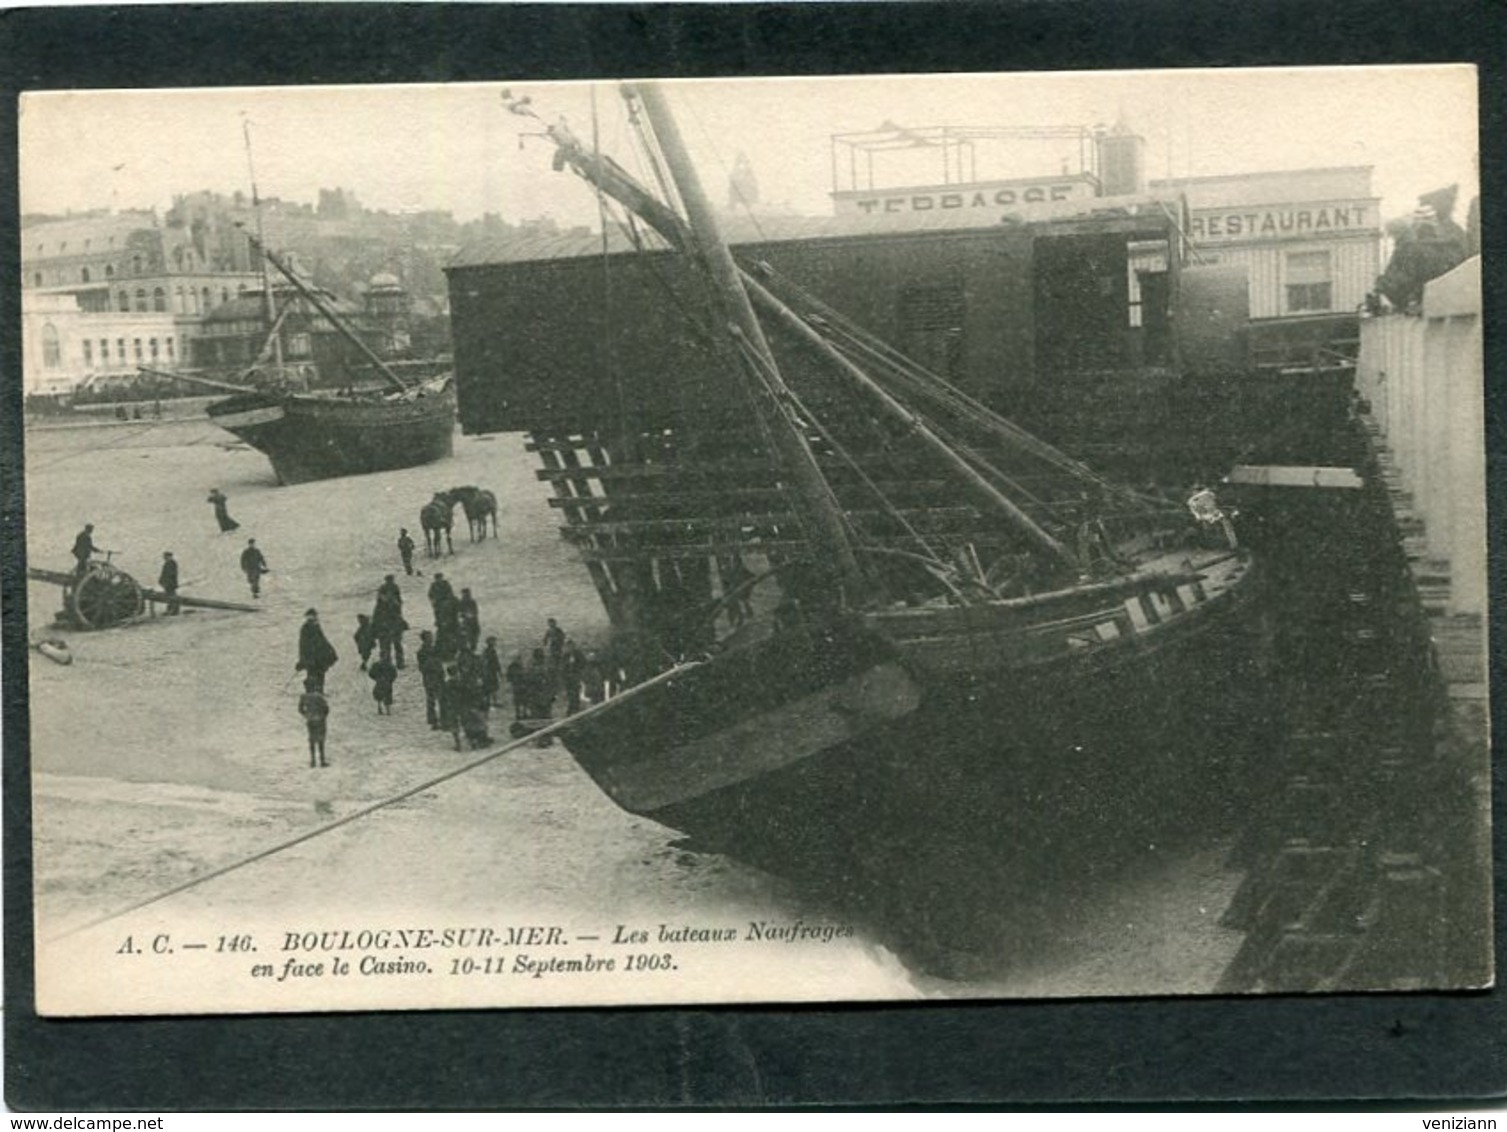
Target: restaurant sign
[(1283, 222), (988, 197)]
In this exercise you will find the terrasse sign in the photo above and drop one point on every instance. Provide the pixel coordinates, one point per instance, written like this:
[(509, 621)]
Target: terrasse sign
[(1282, 222), (1017, 196)]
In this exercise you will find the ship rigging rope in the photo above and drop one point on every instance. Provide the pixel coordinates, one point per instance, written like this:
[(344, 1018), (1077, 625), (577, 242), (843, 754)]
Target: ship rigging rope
[(884, 500), (96, 450), (608, 354), (428, 784), (850, 338)]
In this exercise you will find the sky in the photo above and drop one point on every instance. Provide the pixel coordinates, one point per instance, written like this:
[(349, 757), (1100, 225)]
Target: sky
[(453, 147)]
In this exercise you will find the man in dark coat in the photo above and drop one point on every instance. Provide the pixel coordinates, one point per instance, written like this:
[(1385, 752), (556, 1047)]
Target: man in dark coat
[(469, 617), (365, 638), (517, 678), (491, 671), (222, 510), (572, 671), (405, 550), (432, 674), (167, 582), (83, 549), (253, 565), (446, 615), (388, 625), (540, 680), (389, 589), (316, 655), (554, 642)]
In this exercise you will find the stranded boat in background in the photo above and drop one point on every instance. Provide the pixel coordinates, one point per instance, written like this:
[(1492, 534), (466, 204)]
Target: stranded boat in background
[(313, 436), (916, 624)]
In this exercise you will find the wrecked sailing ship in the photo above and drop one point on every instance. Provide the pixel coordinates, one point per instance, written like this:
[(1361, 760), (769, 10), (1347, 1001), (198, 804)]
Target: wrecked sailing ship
[(313, 436), (908, 620)]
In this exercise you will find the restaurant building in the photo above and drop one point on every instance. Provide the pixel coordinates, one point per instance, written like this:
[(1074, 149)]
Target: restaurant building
[(1310, 243)]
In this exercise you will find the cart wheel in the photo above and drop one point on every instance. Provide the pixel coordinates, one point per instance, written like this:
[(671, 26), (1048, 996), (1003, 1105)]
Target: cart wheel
[(102, 598)]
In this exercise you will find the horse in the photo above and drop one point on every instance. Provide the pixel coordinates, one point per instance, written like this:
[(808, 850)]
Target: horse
[(436, 518), (479, 506)]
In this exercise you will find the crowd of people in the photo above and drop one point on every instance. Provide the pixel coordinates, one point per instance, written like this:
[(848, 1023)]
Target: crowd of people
[(462, 674)]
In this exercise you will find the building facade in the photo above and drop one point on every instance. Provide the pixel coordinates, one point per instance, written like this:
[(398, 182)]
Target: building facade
[(64, 347), (106, 293)]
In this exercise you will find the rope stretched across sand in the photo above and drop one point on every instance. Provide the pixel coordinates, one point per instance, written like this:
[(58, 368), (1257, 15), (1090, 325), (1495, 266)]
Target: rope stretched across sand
[(543, 732)]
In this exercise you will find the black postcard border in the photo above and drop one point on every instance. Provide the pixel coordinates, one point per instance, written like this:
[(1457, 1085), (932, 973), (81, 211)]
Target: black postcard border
[(1207, 1052)]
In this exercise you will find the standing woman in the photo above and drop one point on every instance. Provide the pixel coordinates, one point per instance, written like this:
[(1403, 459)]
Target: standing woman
[(222, 511)]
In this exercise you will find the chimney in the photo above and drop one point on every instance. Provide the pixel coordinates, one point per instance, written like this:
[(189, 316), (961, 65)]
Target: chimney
[(1122, 161)]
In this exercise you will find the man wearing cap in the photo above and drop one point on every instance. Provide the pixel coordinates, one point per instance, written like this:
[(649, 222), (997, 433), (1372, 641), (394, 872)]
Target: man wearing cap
[(83, 549), (167, 582), (253, 565), (316, 655)]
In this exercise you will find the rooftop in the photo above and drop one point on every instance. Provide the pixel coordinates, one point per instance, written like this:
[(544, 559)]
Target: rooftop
[(530, 247)]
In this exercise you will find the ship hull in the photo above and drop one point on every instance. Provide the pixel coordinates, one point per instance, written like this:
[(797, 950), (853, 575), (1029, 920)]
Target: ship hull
[(314, 438), (877, 746)]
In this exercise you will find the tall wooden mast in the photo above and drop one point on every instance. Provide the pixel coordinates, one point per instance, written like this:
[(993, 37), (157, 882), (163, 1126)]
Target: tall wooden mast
[(819, 508), (269, 304)]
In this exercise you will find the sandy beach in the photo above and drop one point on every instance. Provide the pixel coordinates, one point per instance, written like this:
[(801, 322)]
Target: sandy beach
[(172, 748)]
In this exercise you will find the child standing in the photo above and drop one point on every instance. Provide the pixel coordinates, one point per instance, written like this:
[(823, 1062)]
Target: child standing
[(383, 673), (315, 710)]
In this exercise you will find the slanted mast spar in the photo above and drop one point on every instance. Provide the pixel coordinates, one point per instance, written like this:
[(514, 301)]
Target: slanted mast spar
[(329, 313)]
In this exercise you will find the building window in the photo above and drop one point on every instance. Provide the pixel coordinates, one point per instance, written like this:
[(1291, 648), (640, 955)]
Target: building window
[(88, 352), (152, 347), (930, 318), (136, 348), (298, 346), (159, 299), (109, 271), (52, 349), (36, 279), (141, 299), (125, 300), (224, 294), (1309, 282), (135, 265), (169, 349), (84, 275), (208, 302), (120, 350)]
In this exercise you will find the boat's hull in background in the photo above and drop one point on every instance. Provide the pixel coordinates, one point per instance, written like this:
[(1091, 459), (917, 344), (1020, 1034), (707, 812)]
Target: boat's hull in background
[(314, 438)]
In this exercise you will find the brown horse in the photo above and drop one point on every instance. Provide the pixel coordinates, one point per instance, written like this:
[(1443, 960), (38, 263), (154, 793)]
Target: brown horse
[(437, 517), (479, 506)]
